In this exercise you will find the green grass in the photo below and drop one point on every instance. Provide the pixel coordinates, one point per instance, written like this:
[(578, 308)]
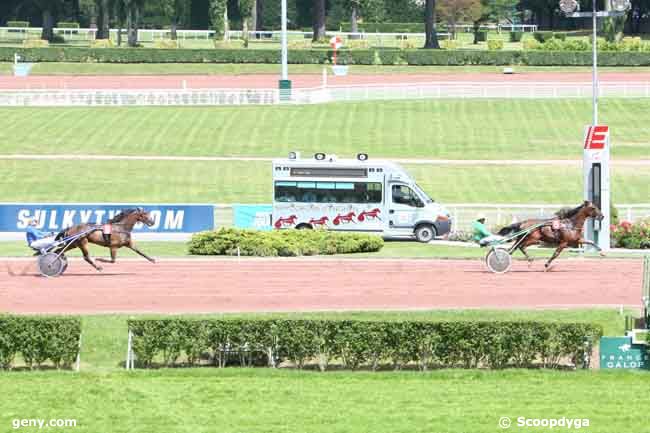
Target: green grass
[(105, 398), (62, 68), (250, 182), (455, 129), (241, 400)]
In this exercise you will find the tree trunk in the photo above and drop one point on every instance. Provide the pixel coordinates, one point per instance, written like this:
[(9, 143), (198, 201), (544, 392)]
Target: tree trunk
[(245, 31), (254, 16), (353, 19), (131, 26), (48, 25), (173, 29), (226, 25), (477, 27), (318, 23), (105, 20), (259, 10), (431, 38)]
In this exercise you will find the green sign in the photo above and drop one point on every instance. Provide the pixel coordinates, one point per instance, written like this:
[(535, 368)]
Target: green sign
[(619, 352)]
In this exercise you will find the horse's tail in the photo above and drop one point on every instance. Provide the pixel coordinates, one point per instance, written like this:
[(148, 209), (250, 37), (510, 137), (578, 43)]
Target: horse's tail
[(512, 228)]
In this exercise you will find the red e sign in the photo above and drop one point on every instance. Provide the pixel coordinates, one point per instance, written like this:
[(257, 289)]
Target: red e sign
[(596, 137)]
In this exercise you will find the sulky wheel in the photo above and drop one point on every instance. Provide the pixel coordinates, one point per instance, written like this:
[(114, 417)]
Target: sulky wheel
[(498, 260), (51, 264)]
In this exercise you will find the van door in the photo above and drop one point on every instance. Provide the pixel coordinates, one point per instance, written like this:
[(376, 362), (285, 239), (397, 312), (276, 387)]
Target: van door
[(403, 207)]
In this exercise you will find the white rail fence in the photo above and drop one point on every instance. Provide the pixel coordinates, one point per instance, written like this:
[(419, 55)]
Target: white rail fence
[(20, 34), (324, 94)]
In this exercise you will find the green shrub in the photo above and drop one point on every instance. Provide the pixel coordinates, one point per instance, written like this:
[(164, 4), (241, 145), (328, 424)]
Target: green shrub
[(22, 24), (385, 27), (360, 343), (495, 44), (284, 243), (35, 43), (628, 235), (39, 339), (559, 35), (102, 43), (67, 25), (542, 37), (57, 39), (481, 36), (516, 36)]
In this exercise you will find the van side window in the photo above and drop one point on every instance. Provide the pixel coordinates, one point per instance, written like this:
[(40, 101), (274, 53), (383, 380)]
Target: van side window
[(328, 192), (402, 194)]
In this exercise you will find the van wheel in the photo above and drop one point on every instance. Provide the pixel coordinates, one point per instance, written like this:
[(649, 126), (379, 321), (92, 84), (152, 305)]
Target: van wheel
[(304, 227), (425, 233)]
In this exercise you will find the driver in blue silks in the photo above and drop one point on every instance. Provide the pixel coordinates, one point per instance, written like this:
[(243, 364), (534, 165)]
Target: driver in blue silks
[(38, 239)]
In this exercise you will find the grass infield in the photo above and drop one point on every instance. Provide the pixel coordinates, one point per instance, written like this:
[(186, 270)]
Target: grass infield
[(103, 397), (434, 129), (250, 182)]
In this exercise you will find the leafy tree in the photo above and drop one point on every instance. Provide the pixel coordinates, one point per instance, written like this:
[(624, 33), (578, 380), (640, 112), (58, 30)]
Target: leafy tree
[(219, 17), (246, 12), (102, 8), (175, 10), (454, 11), (49, 9)]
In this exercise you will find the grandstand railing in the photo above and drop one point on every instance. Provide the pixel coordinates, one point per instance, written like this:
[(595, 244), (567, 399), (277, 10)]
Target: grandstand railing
[(366, 92)]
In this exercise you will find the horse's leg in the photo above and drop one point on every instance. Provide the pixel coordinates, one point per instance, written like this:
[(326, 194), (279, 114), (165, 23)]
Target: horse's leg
[(132, 247), (557, 252), (600, 250), (113, 256), (83, 246), (522, 248)]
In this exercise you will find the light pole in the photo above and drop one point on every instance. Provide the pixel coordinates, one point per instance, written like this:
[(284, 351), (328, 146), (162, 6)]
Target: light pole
[(596, 146), (284, 83)]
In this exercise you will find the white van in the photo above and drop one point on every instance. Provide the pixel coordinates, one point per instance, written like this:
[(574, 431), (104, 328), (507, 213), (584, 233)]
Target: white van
[(360, 195)]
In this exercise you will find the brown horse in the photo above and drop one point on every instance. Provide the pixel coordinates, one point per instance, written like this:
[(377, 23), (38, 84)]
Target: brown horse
[(564, 230), (114, 235)]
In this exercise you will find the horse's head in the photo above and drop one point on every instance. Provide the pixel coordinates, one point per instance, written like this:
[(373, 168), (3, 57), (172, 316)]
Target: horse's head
[(592, 210), (143, 216)]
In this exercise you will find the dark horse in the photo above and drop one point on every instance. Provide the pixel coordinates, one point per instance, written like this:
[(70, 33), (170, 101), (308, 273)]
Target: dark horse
[(119, 227), (564, 230)]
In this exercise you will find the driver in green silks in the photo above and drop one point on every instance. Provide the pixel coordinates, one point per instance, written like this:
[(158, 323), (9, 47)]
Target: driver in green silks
[(481, 234)]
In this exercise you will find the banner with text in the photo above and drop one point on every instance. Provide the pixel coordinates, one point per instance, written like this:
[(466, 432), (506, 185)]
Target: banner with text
[(170, 218)]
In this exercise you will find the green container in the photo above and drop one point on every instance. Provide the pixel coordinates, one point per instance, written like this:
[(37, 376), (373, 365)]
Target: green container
[(285, 90), (620, 353)]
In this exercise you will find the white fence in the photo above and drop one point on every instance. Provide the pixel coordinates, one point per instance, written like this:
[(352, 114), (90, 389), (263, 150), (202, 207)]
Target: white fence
[(150, 35), (190, 97)]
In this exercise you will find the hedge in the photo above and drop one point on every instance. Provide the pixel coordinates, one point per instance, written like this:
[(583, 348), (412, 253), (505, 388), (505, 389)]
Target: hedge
[(355, 57), (358, 343), (38, 339), (284, 243)]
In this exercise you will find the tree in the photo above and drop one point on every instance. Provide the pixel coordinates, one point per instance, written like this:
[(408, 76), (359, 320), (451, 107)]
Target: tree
[(175, 10), (246, 12), (454, 11), (219, 17), (318, 22), (48, 9), (102, 8), (431, 37)]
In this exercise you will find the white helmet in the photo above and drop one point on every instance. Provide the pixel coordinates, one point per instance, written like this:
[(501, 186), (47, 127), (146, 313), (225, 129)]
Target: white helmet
[(480, 216)]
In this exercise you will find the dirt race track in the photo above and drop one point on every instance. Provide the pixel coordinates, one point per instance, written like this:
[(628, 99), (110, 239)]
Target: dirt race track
[(229, 285)]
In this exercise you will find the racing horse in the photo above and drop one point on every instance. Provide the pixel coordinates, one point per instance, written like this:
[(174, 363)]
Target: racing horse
[(564, 230), (113, 235)]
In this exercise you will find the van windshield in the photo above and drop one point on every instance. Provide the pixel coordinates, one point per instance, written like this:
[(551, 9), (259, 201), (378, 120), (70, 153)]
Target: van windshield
[(423, 194)]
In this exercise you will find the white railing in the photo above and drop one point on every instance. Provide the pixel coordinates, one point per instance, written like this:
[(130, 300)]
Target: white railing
[(463, 214), (102, 98), (182, 96), (23, 33)]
